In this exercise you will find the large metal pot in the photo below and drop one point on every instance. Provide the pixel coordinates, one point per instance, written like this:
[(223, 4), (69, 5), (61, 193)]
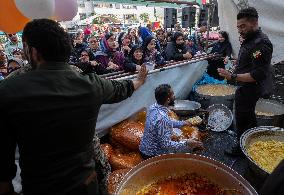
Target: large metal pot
[(164, 166), (185, 107), (207, 100), (272, 107), (262, 133)]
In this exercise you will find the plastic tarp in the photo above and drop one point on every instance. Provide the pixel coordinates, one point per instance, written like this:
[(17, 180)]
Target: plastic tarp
[(181, 79), (271, 14)]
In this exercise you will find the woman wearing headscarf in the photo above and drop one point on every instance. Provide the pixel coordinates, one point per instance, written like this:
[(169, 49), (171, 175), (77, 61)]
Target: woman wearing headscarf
[(176, 50), (151, 54), (78, 46), (124, 41), (135, 59), (191, 45), (222, 47), (143, 33), (134, 38), (108, 57), (87, 63), (162, 39)]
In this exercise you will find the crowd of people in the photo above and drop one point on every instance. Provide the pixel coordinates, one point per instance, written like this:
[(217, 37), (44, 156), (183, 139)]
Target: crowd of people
[(102, 53)]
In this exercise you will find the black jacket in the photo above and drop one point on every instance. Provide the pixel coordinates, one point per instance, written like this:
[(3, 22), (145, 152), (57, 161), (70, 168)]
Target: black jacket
[(175, 53), (255, 58), (130, 64)]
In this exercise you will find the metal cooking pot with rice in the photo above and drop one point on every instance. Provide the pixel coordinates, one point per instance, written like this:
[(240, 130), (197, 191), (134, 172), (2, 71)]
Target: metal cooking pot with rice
[(210, 94), (269, 113), (264, 147), (172, 165)]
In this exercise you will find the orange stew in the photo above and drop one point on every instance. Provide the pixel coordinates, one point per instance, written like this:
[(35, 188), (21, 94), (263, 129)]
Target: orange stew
[(190, 184)]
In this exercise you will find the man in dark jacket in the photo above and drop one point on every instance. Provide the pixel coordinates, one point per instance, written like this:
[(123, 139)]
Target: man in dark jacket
[(176, 50), (252, 73), (50, 113)]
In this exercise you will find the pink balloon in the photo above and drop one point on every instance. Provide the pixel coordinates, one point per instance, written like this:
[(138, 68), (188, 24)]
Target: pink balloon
[(65, 10)]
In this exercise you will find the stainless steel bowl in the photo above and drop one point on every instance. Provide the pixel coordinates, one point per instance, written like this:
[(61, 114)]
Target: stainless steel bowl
[(164, 166), (185, 107), (220, 123), (262, 133)]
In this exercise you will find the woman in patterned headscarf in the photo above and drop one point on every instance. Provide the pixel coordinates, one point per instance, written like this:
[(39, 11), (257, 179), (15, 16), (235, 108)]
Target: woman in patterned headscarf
[(108, 57)]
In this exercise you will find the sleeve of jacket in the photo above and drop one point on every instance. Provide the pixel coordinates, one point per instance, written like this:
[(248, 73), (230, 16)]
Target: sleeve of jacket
[(261, 56), (229, 50), (169, 52), (114, 91), (159, 59), (129, 65), (172, 54), (8, 167)]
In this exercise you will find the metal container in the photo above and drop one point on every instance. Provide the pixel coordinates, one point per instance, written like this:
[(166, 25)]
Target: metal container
[(262, 133), (163, 166), (273, 107), (208, 100), (186, 107), (219, 124)]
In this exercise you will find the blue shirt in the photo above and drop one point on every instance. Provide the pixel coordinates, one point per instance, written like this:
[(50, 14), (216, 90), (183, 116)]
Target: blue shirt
[(158, 132)]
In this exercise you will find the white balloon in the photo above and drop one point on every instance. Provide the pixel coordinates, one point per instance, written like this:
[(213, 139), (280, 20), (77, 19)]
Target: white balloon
[(36, 8)]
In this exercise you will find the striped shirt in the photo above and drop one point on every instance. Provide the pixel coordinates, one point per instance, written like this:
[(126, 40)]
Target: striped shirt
[(158, 132)]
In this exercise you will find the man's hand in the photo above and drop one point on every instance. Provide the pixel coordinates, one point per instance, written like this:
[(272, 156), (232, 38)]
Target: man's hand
[(141, 77), (138, 67), (226, 60), (127, 48), (93, 63), (194, 144), (187, 123), (187, 55), (112, 66), (224, 73), (142, 73)]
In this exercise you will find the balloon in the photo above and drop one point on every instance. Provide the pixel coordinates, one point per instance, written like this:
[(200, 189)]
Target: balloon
[(36, 8), (65, 10), (11, 19)]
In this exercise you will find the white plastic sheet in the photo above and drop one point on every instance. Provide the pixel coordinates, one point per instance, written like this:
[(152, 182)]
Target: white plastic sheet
[(180, 78)]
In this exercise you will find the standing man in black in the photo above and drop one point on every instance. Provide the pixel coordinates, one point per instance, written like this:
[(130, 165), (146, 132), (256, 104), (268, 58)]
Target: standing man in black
[(252, 73), (51, 112)]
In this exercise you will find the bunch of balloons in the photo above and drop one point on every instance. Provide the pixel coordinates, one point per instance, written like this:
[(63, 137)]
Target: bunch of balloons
[(14, 14)]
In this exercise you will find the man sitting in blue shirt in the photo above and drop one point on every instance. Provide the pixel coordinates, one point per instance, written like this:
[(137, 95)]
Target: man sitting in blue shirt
[(157, 138)]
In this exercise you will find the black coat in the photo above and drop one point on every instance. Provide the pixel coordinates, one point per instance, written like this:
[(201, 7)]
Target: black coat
[(175, 53)]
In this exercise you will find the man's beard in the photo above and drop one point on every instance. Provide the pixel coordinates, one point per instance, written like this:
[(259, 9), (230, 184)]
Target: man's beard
[(180, 46), (248, 34)]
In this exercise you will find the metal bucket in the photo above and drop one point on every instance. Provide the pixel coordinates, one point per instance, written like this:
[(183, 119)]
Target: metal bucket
[(163, 166), (272, 107), (208, 100)]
